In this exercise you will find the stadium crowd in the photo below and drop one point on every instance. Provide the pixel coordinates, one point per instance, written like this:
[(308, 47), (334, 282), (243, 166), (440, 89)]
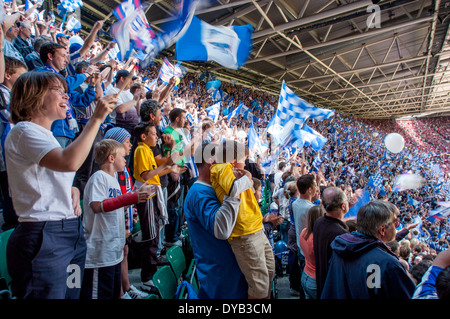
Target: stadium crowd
[(102, 99)]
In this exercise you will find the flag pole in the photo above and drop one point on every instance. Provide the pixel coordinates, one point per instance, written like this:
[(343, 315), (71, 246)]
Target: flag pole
[(108, 16)]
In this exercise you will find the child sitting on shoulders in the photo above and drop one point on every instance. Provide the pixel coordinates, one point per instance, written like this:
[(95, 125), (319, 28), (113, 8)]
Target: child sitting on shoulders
[(250, 245)]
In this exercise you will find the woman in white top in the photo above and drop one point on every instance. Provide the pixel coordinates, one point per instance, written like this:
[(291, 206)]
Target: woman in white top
[(47, 250)]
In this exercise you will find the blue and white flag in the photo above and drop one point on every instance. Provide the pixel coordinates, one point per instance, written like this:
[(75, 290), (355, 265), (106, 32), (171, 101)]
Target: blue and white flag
[(168, 70), (236, 111), (412, 201), (214, 111), (126, 8), (132, 20), (439, 214), (73, 24), (363, 199), (293, 108), (120, 32), (173, 30), (317, 163), (254, 143), (216, 95), (153, 84), (289, 137), (228, 46), (375, 181), (313, 138), (213, 84), (71, 5)]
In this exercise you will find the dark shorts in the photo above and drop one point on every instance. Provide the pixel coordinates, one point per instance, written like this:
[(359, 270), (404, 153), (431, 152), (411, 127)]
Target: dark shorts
[(102, 283)]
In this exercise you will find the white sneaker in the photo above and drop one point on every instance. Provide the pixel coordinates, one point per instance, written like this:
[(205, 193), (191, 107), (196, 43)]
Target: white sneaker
[(178, 243), (126, 296), (136, 293)]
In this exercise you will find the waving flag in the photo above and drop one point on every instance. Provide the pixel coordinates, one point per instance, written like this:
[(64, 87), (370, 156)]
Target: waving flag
[(293, 108), (213, 84), (167, 71), (254, 143), (120, 32), (439, 214), (214, 111), (408, 181), (228, 46), (73, 24), (313, 138), (126, 8), (363, 200), (216, 95), (236, 111), (376, 181), (132, 30), (71, 5), (317, 163), (172, 31)]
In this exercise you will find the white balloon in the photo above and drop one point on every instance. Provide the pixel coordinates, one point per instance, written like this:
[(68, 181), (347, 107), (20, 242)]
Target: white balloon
[(394, 142)]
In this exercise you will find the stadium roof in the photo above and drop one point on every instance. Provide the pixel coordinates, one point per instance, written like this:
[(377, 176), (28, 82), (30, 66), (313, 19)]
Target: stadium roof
[(327, 53)]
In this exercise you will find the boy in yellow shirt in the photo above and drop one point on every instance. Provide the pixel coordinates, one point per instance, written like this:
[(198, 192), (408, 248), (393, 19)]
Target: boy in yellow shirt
[(247, 240), (153, 213)]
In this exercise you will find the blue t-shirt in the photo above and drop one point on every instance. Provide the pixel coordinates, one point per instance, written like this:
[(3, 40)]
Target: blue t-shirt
[(217, 269)]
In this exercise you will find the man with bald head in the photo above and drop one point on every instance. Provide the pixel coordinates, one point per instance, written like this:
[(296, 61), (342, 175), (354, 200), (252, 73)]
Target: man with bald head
[(326, 228)]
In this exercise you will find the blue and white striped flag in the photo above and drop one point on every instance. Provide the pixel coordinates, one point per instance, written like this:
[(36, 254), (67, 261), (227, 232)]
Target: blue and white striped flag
[(317, 163), (228, 46), (71, 5), (376, 181), (293, 108)]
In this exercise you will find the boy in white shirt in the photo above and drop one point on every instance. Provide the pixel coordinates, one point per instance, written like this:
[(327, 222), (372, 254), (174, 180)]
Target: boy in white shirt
[(104, 222)]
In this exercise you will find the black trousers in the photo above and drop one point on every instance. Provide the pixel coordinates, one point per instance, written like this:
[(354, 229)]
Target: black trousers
[(148, 248)]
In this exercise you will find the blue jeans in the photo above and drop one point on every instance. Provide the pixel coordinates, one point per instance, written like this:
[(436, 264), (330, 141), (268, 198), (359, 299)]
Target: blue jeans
[(309, 286), (46, 259)]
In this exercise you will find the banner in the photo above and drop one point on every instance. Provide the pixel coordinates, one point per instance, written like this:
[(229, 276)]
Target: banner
[(228, 46)]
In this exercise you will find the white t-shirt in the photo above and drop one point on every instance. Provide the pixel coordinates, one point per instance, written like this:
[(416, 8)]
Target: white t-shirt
[(104, 232), (124, 96), (38, 193)]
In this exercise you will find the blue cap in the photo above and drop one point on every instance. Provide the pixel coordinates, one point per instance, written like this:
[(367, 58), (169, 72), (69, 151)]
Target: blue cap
[(118, 134), (62, 35), (74, 47)]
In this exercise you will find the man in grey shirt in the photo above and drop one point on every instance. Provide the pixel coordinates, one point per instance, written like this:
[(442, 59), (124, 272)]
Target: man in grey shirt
[(307, 187)]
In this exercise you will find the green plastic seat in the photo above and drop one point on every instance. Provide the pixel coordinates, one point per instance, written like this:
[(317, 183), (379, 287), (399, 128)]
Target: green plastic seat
[(4, 237), (166, 283), (177, 260)]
